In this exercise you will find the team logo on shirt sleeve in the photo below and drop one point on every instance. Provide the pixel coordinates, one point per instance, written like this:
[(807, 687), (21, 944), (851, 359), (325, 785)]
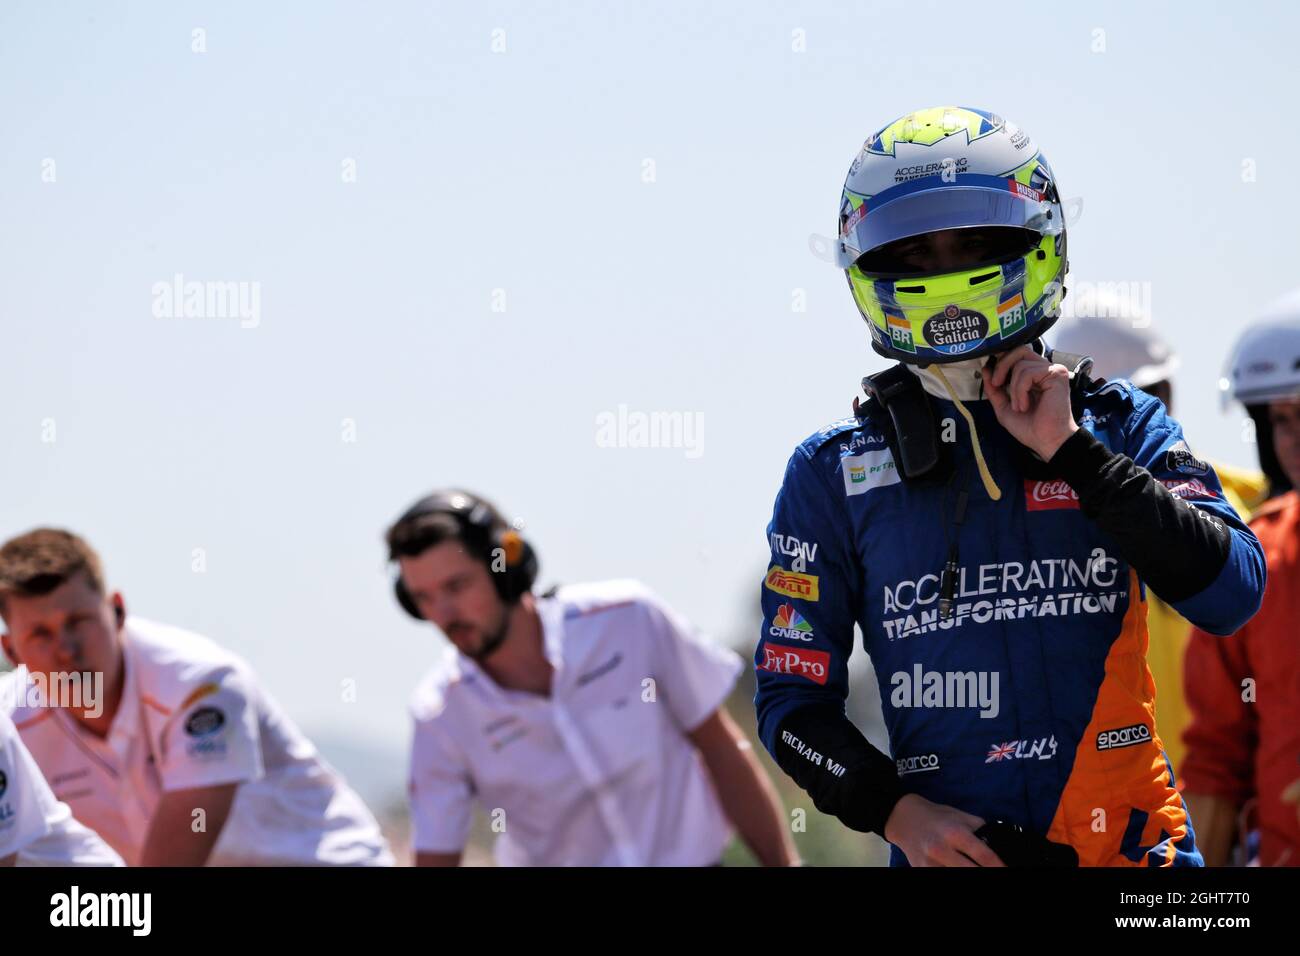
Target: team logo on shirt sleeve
[(204, 722), (205, 726)]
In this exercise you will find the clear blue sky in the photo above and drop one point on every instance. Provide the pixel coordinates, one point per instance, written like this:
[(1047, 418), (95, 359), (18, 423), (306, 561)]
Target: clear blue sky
[(524, 171)]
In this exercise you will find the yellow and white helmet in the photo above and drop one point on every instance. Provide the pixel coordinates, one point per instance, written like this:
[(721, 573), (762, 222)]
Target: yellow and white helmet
[(952, 167)]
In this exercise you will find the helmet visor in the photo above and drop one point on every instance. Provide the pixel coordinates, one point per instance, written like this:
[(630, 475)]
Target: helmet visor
[(930, 205)]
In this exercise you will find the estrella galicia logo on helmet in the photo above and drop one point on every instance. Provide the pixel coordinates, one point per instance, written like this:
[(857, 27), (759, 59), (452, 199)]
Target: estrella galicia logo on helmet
[(955, 330), (1179, 458), (204, 722)]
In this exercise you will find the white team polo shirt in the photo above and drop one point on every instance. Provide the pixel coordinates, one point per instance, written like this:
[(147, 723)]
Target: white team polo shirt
[(33, 823), (192, 715), (600, 773)]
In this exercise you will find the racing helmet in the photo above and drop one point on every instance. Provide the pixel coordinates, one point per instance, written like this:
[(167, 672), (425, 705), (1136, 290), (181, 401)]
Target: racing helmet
[(951, 167)]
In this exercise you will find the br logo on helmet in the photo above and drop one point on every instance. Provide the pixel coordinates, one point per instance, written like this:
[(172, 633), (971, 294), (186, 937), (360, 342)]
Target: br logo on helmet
[(900, 332), (956, 330)]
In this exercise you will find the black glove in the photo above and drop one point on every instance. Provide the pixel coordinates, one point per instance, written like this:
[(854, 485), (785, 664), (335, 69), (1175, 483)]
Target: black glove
[(1016, 846)]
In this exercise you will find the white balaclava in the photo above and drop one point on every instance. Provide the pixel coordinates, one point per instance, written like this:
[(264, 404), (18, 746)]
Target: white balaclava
[(961, 382), (964, 377)]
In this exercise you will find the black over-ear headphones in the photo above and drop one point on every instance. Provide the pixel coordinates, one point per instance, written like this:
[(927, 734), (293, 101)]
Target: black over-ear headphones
[(481, 531)]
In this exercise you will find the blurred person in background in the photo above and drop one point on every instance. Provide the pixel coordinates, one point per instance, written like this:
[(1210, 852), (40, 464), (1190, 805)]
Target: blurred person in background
[(183, 759), (1242, 770), (36, 828), (1120, 341), (588, 722)]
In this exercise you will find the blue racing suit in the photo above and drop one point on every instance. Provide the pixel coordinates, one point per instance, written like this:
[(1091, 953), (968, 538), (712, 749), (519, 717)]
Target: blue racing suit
[(1030, 700)]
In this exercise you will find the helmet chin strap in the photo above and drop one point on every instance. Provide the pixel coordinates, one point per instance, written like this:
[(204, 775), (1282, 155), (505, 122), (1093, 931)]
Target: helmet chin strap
[(990, 485)]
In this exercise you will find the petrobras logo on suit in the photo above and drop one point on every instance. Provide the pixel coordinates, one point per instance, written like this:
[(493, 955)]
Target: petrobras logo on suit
[(871, 469)]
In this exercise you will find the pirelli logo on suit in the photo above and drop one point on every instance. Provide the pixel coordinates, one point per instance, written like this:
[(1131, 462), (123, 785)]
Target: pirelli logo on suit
[(792, 583)]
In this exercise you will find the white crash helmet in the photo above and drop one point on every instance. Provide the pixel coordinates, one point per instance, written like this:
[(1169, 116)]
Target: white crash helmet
[(1265, 365), (1119, 339)]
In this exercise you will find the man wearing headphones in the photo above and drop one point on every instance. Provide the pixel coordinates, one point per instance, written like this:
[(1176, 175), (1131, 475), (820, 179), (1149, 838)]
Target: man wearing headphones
[(588, 723), (181, 759)]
